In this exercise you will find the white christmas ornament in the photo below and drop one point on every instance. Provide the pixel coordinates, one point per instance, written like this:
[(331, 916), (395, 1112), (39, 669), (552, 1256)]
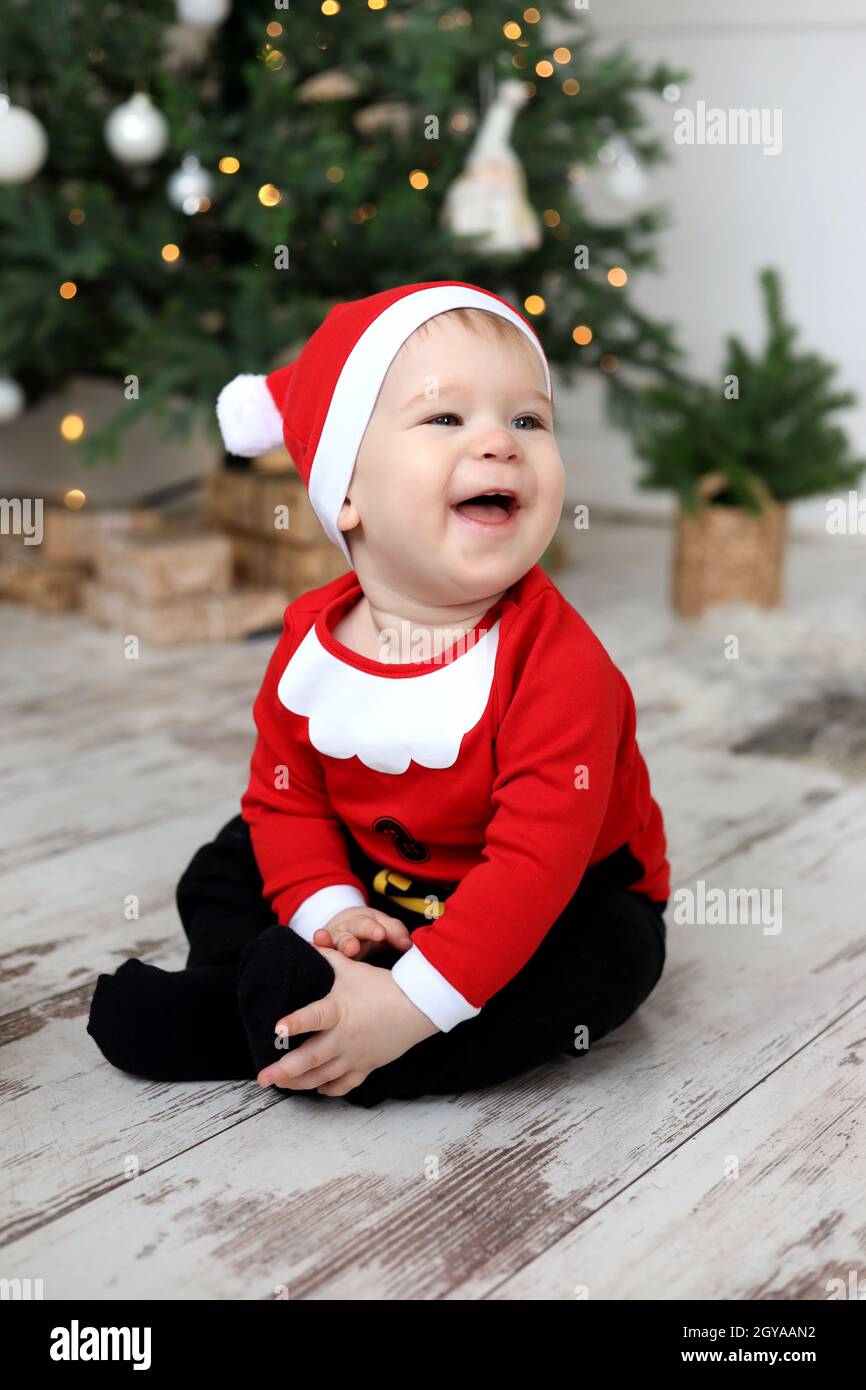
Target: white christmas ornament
[(189, 186), (390, 115), (489, 199), (23, 143), (331, 85), (202, 11), (624, 176), (137, 132), (11, 400)]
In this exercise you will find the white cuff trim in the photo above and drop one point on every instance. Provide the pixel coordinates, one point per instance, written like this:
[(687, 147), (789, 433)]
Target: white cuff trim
[(318, 909), (430, 991)]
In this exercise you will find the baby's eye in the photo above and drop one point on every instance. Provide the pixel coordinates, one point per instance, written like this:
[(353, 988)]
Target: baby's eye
[(536, 421)]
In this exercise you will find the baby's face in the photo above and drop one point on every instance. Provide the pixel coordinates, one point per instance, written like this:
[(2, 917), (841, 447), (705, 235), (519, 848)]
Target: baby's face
[(458, 414)]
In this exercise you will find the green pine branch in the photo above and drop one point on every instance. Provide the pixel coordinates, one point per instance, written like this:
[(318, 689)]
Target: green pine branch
[(779, 430)]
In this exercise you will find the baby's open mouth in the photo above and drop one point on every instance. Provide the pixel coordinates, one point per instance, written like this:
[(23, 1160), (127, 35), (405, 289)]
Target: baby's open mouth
[(490, 508)]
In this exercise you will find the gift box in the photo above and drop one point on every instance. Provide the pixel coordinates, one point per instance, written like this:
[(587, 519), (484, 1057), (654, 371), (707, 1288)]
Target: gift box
[(190, 618), (43, 587), (294, 569), (76, 537), (273, 505), (170, 564)]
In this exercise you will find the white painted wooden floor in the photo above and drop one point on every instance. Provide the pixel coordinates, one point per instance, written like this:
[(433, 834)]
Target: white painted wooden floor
[(713, 1147)]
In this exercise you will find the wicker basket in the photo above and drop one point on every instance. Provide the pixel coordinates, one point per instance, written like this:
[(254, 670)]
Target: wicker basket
[(728, 555)]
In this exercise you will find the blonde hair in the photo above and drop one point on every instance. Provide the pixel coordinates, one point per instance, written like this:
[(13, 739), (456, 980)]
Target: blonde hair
[(483, 321)]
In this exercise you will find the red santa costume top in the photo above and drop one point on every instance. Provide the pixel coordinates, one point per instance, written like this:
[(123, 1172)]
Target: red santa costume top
[(514, 765), (510, 761)]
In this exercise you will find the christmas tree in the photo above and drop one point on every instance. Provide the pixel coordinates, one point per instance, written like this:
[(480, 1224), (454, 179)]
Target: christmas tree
[(771, 417), (206, 191)]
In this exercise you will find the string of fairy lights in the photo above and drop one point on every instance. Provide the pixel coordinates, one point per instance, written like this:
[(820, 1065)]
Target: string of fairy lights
[(270, 195)]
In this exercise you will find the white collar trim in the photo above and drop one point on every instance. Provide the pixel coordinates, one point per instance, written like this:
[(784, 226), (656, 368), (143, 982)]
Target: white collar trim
[(389, 721)]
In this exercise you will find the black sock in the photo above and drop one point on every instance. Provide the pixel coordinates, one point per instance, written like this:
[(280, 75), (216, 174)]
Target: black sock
[(180, 1025), (279, 972)]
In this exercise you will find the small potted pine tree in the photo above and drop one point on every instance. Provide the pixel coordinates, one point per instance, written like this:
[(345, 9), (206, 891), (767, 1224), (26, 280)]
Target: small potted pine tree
[(737, 454)]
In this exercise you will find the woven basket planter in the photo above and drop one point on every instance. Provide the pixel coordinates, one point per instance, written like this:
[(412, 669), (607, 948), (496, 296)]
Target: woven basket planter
[(728, 555)]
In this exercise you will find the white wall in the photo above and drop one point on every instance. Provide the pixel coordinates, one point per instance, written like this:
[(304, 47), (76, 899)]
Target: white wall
[(35, 460), (736, 209)]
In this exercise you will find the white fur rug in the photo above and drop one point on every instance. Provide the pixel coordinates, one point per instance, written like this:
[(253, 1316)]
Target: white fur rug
[(796, 688)]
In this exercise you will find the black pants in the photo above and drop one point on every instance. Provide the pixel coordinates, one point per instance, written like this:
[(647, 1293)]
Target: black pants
[(597, 964)]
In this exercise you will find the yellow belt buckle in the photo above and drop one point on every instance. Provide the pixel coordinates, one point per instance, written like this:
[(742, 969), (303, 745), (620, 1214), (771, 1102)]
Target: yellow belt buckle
[(386, 876)]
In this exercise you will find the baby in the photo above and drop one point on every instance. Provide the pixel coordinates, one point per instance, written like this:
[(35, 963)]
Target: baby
[(448, 867)]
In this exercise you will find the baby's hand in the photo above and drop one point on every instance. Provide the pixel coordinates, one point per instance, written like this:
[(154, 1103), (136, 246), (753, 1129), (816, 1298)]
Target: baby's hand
[(363, 1022), (358, 932)]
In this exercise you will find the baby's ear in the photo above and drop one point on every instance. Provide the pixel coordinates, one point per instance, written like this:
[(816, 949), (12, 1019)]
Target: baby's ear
[(348, 517)]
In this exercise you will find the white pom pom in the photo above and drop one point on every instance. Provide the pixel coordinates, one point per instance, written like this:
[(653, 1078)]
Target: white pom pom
[(248, 418)]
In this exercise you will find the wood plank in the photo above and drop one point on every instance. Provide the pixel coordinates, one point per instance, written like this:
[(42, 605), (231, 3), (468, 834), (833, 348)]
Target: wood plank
[(766, 1202), (79, 1129), (354, 1211), (99, 697), (65, 922), (62, 805)]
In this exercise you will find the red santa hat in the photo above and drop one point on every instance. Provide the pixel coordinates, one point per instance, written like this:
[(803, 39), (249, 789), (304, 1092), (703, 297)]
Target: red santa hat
[(319, 405)]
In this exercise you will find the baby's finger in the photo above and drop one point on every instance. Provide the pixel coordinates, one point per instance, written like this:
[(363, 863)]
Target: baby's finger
[(343, 940), (318, 1017), (323, 937), (364, 929), (297, 1068), (397, 934)]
